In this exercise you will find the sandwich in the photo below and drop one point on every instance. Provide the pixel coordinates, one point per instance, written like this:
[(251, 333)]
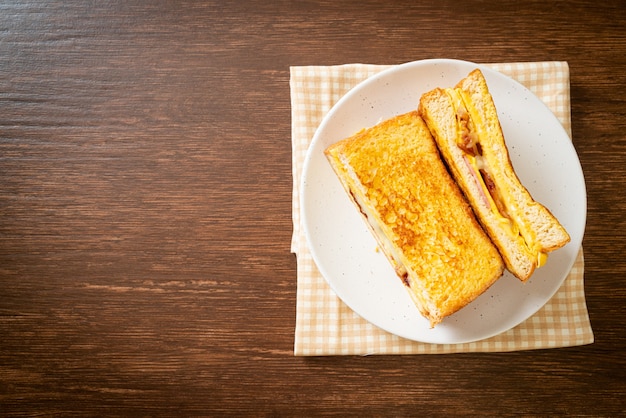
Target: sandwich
[(464, 122), (393, 174)]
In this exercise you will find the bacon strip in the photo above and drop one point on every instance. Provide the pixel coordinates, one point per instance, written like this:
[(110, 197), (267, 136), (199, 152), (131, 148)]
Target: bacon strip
[(469, 140), (493, 191)]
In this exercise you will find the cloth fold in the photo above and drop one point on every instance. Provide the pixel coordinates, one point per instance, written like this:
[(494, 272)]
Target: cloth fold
[(325, 325)]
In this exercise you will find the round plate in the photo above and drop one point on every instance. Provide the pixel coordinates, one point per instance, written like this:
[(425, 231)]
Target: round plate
[(346, 253)]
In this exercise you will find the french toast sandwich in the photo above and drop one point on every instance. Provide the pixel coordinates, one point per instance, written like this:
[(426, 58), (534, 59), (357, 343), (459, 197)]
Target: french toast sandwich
[(424, 225)]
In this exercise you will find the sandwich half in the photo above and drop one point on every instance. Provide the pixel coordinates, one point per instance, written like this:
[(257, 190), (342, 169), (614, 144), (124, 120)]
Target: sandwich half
[(464, 122), (394, 175)]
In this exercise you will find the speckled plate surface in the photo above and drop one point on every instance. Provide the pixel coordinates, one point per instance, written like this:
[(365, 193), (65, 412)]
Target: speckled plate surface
[(345, 251)]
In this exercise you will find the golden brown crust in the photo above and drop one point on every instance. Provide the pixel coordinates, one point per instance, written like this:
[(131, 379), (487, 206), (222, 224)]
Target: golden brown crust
[(395, 170)]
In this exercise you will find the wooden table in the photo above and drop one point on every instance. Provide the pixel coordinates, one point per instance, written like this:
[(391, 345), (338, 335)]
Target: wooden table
[(145, 207)]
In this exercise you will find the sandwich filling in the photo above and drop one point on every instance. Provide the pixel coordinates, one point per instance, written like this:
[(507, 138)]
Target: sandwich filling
[(493, 197)]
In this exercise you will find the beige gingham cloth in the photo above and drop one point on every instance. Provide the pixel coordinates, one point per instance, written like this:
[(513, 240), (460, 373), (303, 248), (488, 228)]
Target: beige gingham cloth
[(325, 325)]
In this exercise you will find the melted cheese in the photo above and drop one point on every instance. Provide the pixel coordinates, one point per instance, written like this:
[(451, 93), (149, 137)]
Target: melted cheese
[(513, 225), (478, 163)]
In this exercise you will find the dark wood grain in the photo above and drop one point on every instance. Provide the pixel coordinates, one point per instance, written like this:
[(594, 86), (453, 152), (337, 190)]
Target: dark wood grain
[(145, 207)]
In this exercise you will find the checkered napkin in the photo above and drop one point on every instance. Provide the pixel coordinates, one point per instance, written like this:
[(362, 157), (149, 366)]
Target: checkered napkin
[(325, 325)]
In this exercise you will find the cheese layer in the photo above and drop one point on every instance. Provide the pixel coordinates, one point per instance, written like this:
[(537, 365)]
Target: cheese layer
[(511, 219)]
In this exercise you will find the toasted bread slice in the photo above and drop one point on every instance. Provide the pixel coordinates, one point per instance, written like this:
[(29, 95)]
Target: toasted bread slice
[(394, 175), (465, 125)]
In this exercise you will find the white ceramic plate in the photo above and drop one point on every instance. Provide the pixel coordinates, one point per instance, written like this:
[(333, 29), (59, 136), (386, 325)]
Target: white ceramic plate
[(345, 251)]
